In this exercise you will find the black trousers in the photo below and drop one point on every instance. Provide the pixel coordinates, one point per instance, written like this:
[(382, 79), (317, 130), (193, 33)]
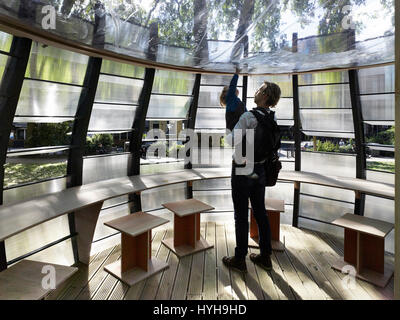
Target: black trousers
[(243, 188)]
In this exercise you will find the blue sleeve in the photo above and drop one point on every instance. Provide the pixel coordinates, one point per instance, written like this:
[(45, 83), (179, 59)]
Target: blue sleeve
[(231, 98)]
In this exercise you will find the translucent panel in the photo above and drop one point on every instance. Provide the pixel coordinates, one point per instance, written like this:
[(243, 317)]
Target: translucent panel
[(154, 198), (37, 151), (3, 63), (330, 96), (328, 192), (34, 190), (378, 107), (161, 167), (329, 134), (212, 157), (42, 119), (287, 217), (168, 107), (287, 165), (5, 41), (115, 201), (219, 80), (281, 191), (323, 77), (113, 89), (329, 164), (205, 185), (209, 96), (105, 168), (376, 80), (37, 237), (122, 69), (48, 99), (124, 29), (383, 177), (33, 169), (53, 64), (112, 117), (321, 227), (106, 215), (62, 253), (327, 120), (220, 200), (381, 209), (210, 118), (322, 209), (283, 81), (283, 110), (173, 82)]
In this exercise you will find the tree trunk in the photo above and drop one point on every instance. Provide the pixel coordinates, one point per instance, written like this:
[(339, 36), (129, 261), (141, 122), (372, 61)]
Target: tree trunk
[(241, 39), (200, 31)]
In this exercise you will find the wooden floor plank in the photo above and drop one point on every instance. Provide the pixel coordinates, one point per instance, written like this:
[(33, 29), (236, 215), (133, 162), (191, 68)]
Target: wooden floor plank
[(196, 274), (86, 273), (210, 266), (239, 288), (182, 279), (224, 287), (312, 277)]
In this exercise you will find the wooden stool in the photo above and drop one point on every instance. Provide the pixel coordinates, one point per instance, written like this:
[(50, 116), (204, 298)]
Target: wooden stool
[(187, 238), (364, 248), (274, 208), (23, 281), (136, 262)]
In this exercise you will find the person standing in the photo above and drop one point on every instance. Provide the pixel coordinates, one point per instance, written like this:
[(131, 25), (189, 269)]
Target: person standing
[(245, 187)]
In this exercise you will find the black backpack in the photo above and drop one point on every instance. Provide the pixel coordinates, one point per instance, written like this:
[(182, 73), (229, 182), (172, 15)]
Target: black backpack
[(267, 142)]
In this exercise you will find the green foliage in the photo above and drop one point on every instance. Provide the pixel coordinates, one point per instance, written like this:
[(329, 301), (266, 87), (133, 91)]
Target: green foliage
[(174, 150), (384, 137), (23, 173), (99, 144), (381, 166), (327, 146), (48, 134)]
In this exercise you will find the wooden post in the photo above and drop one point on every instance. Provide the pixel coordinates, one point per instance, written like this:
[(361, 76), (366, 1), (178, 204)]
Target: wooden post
[(397, 182)]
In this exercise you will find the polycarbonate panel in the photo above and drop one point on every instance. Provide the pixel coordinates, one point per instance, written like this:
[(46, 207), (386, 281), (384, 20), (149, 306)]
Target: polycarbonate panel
[(42, 119), (3, 63), (205, 185), (122, 69), (105, 167), (283, 110), (329, 164), (53, 64), (112, 117), (283, 81), (34, 190), (114, 89), (281, 191), (376, 80), (328, 192), (329, 134), (212, 157), (171, 82), (378, 176), (168, 107), (220, 200), (381, 209), (209, 96), (33, 169), (115, 201), (323, 209), (287, 217), (287, 165), (330, 96), (219, 80), (327, 120), (323, 77), (160, 167), (107, 215), (5, 41), (378, 107), (210, 118), (154, 198), (37, 237), (268, 28), (321, 227), (61, 253), (48, 99)]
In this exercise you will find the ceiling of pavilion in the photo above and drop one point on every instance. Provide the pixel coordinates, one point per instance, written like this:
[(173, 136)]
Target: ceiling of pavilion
[(214, 35)]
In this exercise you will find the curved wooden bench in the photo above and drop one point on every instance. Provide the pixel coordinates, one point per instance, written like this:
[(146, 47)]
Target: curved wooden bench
[(86, 201)]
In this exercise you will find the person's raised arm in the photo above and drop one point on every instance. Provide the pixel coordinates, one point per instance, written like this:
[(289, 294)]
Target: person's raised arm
[(231, 98)]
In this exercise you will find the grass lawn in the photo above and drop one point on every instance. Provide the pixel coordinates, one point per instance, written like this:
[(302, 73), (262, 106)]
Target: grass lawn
[(23, 173), (381, 166)]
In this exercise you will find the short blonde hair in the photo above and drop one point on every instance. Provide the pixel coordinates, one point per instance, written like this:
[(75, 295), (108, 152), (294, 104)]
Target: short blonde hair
[(222, 97)]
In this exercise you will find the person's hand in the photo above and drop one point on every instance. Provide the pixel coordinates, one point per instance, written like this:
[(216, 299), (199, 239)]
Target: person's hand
[(237, 69)]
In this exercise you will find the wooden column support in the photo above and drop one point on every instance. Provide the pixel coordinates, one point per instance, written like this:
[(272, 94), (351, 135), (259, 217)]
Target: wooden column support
[(85, 225)]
